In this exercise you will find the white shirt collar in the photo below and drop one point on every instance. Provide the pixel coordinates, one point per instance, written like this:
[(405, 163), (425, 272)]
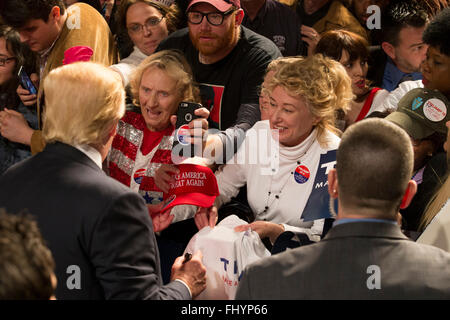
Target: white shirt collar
[(92, 153)]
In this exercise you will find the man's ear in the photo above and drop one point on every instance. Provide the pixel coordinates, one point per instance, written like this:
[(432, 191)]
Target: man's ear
[(239, 16), (411, 190), (333, 183), (389, 49), (110, 134), (55, 12)]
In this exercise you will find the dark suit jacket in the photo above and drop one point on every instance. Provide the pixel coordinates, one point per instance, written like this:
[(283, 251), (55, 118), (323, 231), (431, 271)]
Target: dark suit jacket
[(344, 266), (89, 221)]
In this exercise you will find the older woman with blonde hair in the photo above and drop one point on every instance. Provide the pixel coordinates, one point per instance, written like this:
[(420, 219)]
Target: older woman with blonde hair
[(144, 140), (304, 94)]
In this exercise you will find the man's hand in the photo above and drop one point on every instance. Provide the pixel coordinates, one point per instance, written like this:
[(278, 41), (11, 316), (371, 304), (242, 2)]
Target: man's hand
[(205, 217), (263, 228), (311, 37), (25, 96), (193, 273), (14, 127)]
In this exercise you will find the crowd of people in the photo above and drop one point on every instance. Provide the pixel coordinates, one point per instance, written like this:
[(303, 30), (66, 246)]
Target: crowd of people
[(324, 121)]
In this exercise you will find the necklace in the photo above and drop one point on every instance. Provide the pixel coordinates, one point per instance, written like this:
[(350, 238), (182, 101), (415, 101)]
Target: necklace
[(277, 195)]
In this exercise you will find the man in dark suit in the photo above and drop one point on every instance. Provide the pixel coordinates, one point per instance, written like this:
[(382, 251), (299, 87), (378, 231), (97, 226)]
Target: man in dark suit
[(99, 231), (364, 255)]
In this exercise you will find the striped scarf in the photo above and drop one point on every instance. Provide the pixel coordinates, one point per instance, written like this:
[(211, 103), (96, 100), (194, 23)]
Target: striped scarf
[(124, 150)]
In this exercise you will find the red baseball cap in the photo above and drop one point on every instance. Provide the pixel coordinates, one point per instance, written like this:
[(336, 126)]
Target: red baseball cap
[(77, 53), (194, 185), (221, 5)]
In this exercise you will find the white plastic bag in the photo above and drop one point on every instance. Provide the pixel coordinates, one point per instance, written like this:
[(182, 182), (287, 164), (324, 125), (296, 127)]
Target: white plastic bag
[(225, 255)]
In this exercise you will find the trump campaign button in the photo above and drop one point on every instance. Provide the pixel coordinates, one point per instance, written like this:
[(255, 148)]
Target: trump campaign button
[(435, 110), (139, 175), (301, 174), (183, 135)]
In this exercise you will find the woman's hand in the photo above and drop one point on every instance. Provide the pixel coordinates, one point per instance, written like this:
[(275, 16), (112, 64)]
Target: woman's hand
[(164, 176), (160, 220), (25, 96), (198, 127), (206, 217), (263, 228)]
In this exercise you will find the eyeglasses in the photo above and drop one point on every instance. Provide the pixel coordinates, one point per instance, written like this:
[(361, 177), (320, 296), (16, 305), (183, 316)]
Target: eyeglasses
[(214, 18), (3, 61), (150, 23)]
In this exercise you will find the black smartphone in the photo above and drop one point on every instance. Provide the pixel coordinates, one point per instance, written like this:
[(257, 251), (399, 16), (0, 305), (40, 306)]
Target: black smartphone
[(185, 114), (25, 81)]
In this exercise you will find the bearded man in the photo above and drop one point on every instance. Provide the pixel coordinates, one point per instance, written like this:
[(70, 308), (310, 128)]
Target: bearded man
[(228, 62)]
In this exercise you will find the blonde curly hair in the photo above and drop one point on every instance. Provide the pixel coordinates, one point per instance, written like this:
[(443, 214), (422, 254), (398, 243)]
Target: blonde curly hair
[(323, 83)]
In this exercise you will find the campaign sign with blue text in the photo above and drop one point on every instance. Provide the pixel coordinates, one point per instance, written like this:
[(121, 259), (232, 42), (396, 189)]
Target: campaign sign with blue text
[(318, 205)]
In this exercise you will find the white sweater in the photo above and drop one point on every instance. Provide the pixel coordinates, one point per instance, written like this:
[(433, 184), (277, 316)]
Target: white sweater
[(392, 99), (126, 66), (287, 209)]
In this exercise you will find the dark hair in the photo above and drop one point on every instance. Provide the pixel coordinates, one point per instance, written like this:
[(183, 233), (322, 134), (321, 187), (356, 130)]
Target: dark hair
[(17, 13), (26, 264), (401, 14), (374, 165), (94, 4), (333, 42), (436, 33), (23, 57), (172, 14)]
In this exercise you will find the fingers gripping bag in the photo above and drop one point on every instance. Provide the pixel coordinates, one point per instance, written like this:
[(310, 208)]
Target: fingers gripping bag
[(225, 255)]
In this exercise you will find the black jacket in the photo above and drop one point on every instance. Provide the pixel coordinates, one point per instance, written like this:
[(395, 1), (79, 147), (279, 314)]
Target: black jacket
[(91, 223)]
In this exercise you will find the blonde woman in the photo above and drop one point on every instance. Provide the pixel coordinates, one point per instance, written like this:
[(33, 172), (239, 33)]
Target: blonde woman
[(144, 139), (304, 97), (264, 99)]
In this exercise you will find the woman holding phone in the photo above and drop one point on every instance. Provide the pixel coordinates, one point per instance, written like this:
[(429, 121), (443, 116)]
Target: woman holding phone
[(145, 134), (13, 56)]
